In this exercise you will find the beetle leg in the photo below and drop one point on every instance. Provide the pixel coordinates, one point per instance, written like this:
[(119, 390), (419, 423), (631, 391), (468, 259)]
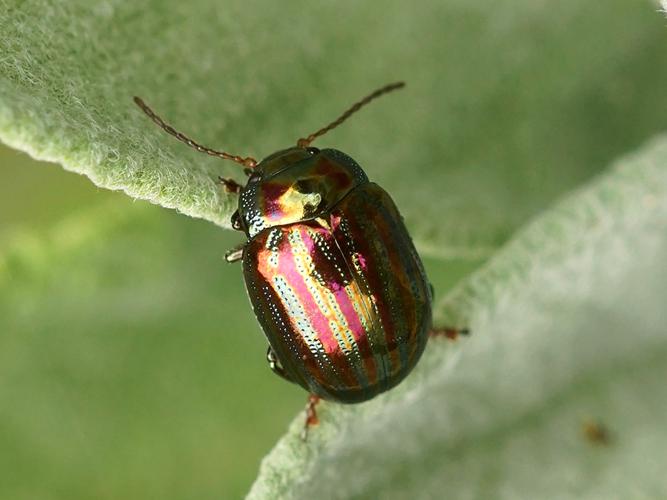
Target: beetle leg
[(311, 415), (449, 333), (236, 221), (235, 254), (231, 186), (275, 367)]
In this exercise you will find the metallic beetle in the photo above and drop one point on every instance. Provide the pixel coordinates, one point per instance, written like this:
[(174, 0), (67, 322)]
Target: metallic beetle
[(332, 275), (330, 269)]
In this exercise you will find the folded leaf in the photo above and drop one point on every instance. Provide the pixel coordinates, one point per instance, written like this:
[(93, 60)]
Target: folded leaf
[(505, 109), (558, 393)]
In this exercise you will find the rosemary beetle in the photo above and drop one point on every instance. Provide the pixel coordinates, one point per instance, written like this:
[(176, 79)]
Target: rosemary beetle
[(331, 272)]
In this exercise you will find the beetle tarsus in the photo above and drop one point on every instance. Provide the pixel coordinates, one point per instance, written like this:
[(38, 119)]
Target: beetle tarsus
[(230, 185), (449, 332), (235, 254), (311, 415)]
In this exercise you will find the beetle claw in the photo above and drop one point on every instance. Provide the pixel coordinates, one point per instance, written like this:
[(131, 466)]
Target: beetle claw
[(230, 185), (311, 415), (235, 254), (449, 332)]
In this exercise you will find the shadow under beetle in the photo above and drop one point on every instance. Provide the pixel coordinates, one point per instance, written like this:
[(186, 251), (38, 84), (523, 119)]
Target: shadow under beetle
[(332, 274)]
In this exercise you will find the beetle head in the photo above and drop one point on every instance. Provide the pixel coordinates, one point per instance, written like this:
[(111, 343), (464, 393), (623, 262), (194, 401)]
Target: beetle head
[(296, 184)]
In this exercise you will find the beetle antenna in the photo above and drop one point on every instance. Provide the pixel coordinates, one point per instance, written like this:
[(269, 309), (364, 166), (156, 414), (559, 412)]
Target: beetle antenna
[(247, 162), (305, 141)]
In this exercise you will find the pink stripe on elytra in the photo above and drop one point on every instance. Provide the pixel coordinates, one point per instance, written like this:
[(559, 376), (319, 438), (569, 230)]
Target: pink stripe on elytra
[(340, 295), (351, 316), (320, 323)]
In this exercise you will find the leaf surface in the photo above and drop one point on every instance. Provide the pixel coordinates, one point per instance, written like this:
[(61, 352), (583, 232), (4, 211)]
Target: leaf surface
[(568, 325), (505, 109)]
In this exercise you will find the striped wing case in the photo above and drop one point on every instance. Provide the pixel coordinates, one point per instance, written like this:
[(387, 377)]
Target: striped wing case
[(343, 299)]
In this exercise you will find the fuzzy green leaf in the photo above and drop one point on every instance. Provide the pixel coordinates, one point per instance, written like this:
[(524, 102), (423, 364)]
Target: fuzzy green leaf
[(568, 327), (505, 108)]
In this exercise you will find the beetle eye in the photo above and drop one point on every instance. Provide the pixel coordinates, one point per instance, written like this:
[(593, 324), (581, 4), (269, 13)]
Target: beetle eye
[(313, 151), (303, 186)]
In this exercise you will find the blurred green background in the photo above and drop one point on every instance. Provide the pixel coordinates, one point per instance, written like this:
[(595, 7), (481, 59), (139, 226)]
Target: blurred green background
[(35, 194), (144, 406)]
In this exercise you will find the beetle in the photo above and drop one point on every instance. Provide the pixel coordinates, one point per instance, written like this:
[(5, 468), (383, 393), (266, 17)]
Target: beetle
[(330, 269)]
